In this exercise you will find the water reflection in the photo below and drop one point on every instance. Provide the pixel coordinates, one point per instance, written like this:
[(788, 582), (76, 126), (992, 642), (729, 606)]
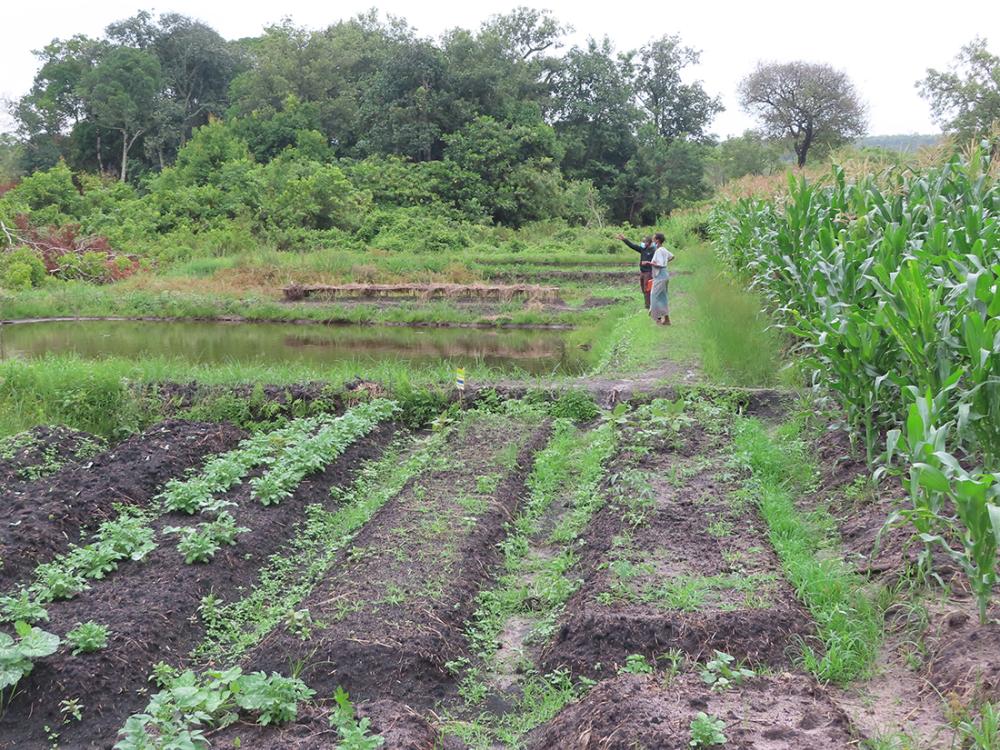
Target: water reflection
[(214, 342)]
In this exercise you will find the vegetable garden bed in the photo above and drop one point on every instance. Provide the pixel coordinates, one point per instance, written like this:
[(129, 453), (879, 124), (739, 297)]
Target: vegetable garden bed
[(155, 608)]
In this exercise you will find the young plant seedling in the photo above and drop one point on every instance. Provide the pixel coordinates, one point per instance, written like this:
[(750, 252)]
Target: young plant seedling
[(636, 664), (17, 656), (720, 674), (353, 732), (87, 637), (706, 731)]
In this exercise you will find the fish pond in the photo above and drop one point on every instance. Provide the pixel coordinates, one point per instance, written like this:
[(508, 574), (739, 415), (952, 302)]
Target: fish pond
[(534, 351)]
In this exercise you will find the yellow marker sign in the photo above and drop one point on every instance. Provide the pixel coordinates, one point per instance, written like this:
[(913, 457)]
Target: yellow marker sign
[(460, 378)]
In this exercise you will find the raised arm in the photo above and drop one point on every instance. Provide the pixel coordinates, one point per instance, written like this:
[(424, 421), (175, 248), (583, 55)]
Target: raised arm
[(632, 245)]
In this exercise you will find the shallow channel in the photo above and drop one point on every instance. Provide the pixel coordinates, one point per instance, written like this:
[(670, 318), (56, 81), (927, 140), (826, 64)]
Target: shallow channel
[(532, 351)]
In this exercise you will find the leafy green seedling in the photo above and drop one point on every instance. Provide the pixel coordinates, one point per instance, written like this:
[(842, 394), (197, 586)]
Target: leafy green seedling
[(720, 673), (17, 657), (71, 708), (87, 637), (56, 582), (275, 699), (706, 731), (636, 664), (22, 608), (353, 732)]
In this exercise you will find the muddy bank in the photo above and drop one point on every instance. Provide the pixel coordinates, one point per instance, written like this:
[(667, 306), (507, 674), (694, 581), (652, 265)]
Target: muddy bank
[(783, 712), (334, 321)]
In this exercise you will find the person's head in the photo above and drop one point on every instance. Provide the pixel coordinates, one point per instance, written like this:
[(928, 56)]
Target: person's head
[(647, 241), (659, 239)]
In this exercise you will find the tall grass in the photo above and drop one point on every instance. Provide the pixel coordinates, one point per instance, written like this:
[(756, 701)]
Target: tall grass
[(848, 623), (738, 346), (114, 397), (58, 390)]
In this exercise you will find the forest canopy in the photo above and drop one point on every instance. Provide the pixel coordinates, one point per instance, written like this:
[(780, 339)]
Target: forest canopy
[(501, 123)]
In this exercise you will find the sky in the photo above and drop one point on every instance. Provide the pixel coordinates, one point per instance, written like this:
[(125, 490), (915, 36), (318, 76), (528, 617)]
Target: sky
[(884, 46)]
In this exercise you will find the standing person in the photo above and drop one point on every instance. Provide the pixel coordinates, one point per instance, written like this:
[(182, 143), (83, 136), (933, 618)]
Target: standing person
[(659, 309), (645, 250)]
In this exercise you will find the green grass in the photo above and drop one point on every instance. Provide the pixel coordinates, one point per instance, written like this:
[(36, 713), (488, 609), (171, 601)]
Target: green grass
[(737, 347), (534, 586), (116, 397), (79, 299), (717, 327), (848, 621)]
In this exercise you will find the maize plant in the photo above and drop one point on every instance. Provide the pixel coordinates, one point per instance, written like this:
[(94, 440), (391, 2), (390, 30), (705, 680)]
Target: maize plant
[(891, 286)]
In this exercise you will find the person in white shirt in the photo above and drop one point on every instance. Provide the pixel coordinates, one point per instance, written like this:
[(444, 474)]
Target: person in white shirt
[(659, 302)]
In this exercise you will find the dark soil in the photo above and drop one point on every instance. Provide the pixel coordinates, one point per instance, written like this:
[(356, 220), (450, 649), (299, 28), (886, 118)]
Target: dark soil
[(151, 609), (394, 606), (786, 712), (43, 450), (270, 401), (675, 548), (43, 517), (400, 726), (884, 553)]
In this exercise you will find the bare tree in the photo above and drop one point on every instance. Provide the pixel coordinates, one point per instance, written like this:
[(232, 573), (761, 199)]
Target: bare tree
[(809, 104)]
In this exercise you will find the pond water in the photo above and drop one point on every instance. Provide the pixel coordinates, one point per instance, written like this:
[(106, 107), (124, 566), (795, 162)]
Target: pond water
[(533, 351)]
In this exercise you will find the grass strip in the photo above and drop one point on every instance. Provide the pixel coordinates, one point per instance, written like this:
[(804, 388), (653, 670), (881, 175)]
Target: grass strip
[(537, 586), (848, 622)]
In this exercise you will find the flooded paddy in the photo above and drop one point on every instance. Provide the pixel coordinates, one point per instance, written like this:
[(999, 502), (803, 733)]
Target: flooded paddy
[(529, 350)]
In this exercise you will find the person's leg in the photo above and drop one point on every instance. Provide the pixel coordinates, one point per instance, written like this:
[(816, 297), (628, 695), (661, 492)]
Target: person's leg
[(643, 284), (666, 295)]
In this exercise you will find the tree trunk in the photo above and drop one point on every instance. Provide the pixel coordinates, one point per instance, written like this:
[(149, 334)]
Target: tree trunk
[(801, 149), (125, 145), (100, 159)]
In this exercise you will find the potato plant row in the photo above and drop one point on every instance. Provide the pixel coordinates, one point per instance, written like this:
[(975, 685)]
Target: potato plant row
[(300, 449)]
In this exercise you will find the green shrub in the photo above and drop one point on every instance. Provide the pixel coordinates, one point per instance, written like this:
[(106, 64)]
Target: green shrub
[(414, 230), (21, 268), (50, 196), (577, 405)]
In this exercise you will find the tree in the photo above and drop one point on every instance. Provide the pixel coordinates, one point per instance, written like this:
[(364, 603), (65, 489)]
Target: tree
[(675, 108), (525, 32), (966, 99), (123, 92), (321, 75), (809, 104), (54, 107), (11, 158), (749, 153), (197, 66), (407, 105), (661, 176), (593, 110), (515, 165)]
